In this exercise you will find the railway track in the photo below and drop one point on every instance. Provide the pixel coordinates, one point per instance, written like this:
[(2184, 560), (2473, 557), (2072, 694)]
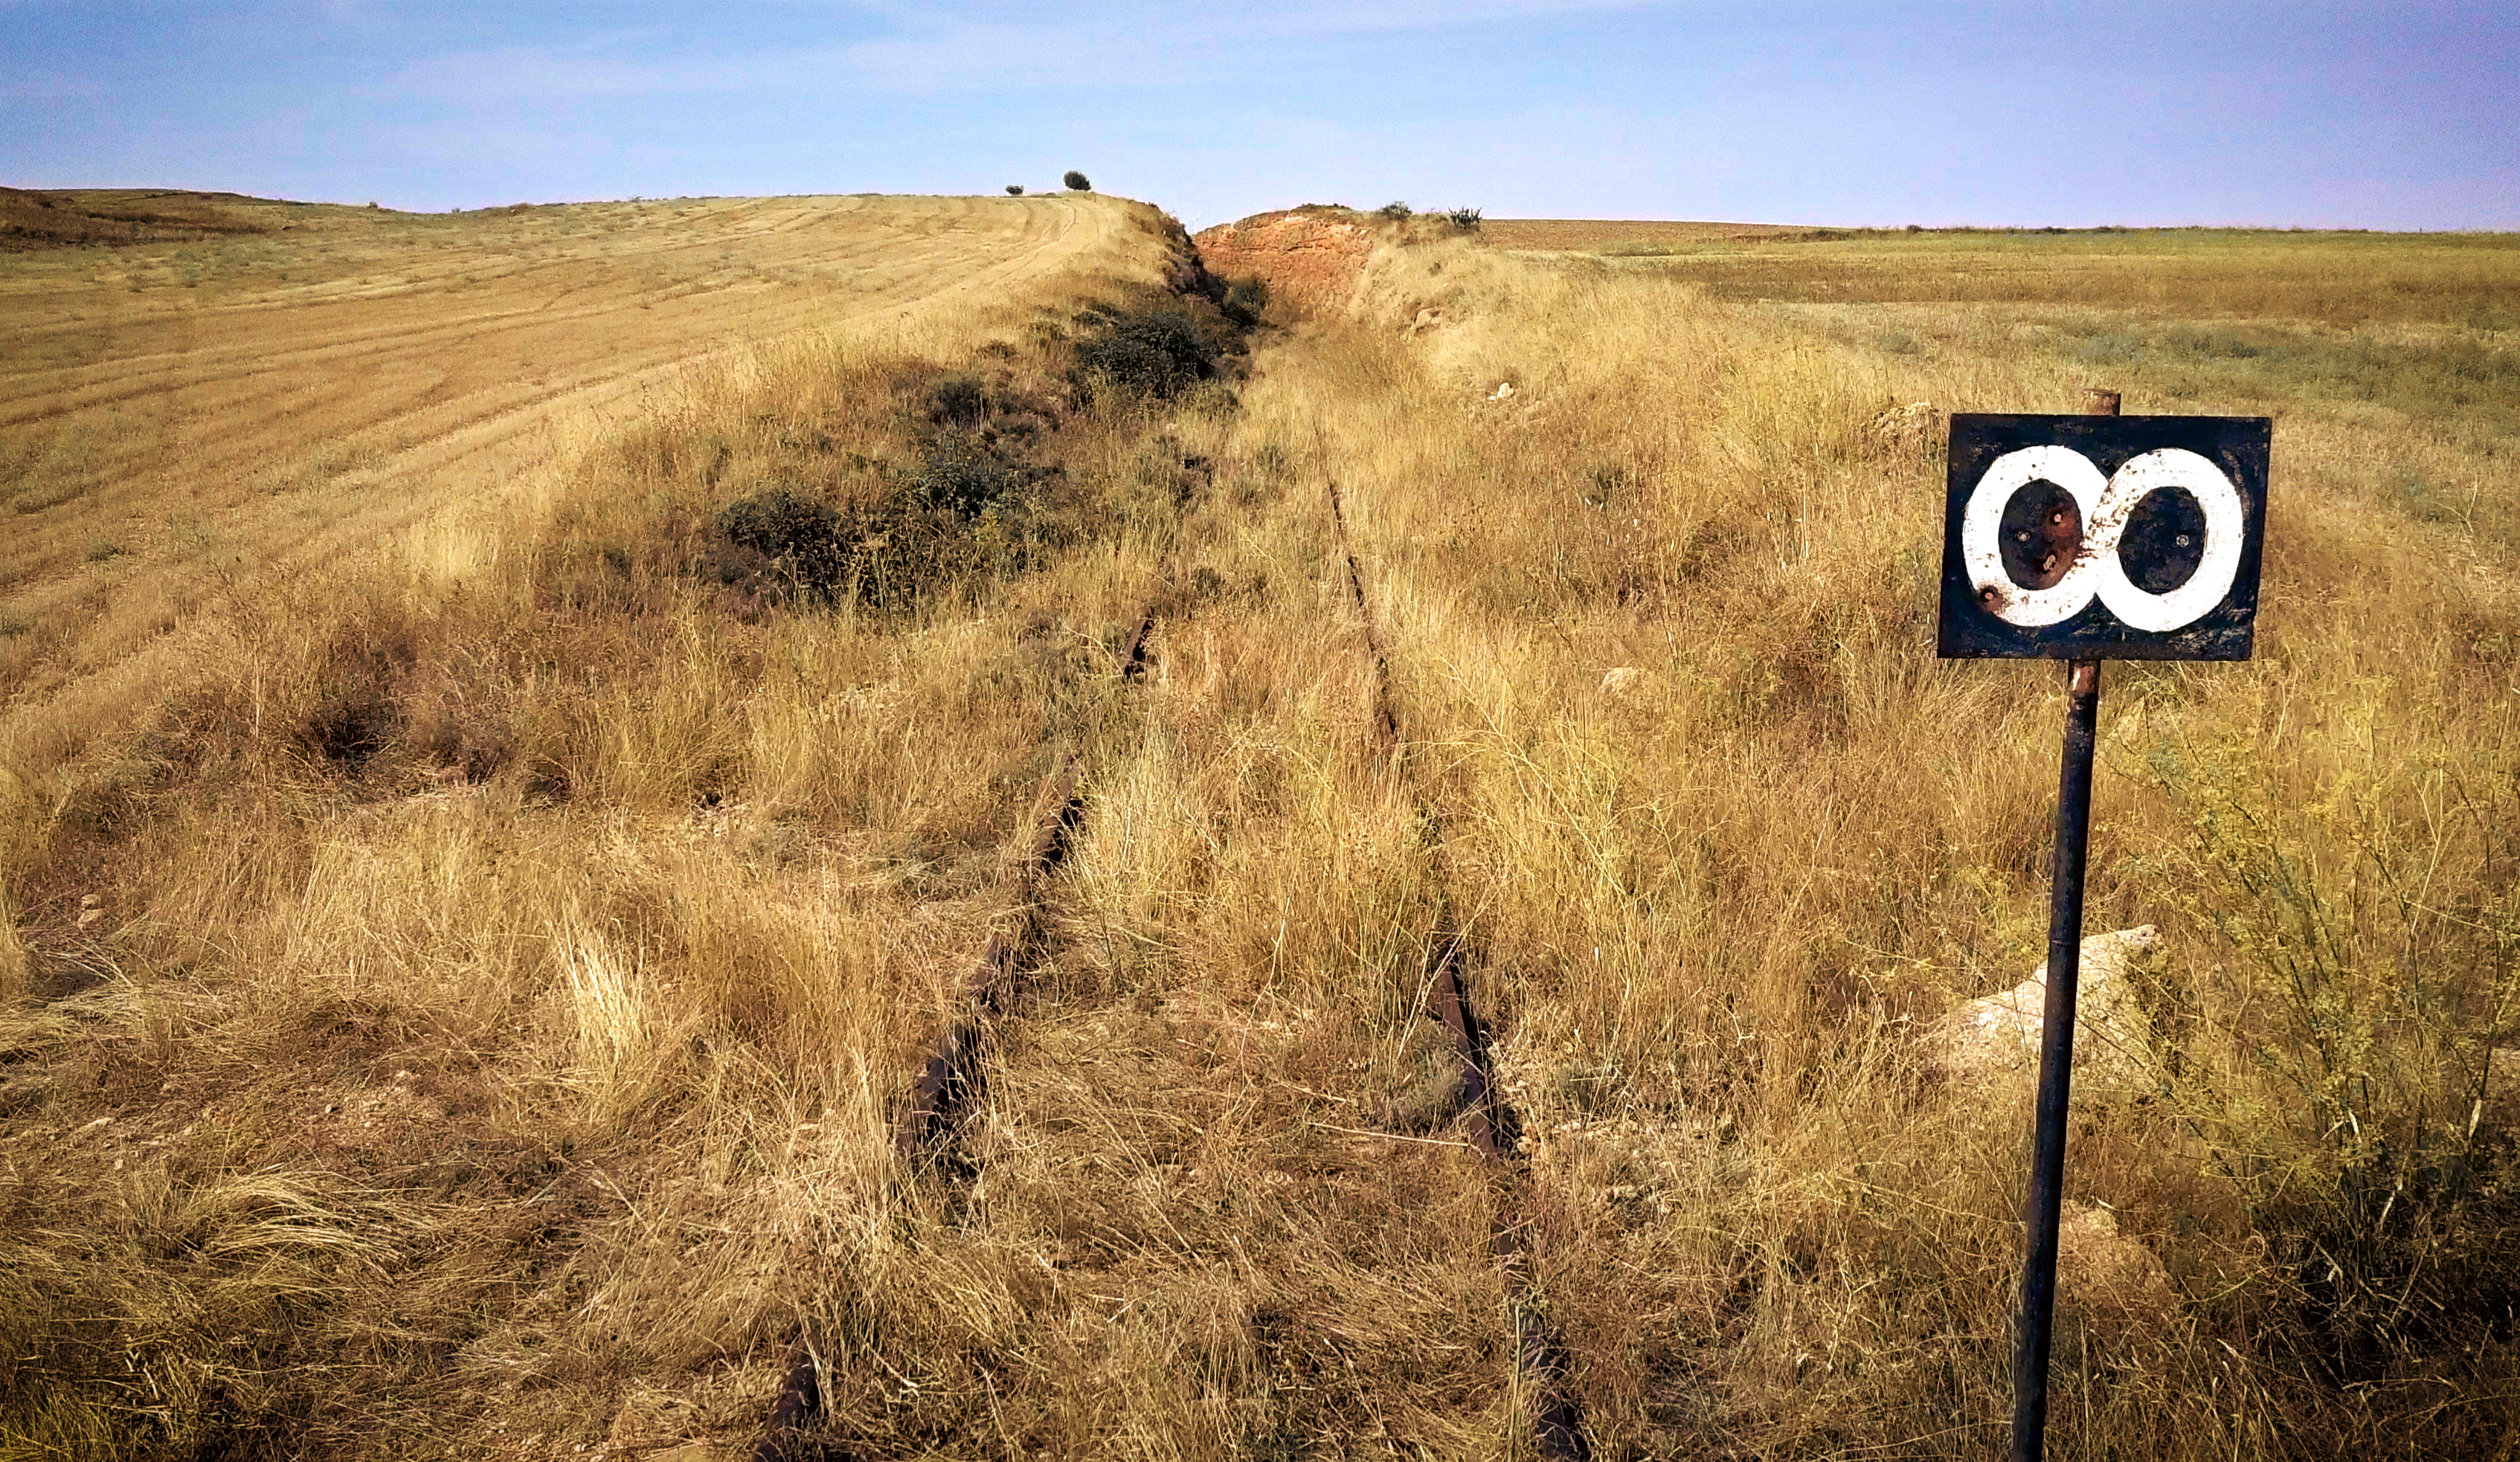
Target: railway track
[(954, 1078), (1541, 1360), (952, 1081)]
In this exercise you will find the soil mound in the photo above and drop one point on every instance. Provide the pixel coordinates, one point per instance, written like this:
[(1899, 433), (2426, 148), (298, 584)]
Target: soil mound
[(1311, 257)]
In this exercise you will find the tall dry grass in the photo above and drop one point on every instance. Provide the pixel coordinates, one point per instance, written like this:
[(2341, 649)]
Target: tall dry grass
[(512, 952), (456, 1011), (1723, 903)]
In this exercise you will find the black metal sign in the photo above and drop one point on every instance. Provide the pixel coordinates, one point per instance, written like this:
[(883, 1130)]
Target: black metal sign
[(2104, 537), (2083, 539)]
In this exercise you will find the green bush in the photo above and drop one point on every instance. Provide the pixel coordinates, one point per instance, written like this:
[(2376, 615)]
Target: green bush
[(1397, 213), (960, 473), (1464, 218), (1014, 190), (801, 536), (2334, 1051), (1077, 182), (1158, 353)]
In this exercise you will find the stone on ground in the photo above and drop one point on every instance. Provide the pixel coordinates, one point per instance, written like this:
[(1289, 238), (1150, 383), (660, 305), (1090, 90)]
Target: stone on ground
[(1998, 1037)]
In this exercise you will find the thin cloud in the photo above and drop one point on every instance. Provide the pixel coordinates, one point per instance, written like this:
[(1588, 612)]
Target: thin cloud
[(1150, 44), (933, 50), (1421, 15), (621, 64), (968, 54)]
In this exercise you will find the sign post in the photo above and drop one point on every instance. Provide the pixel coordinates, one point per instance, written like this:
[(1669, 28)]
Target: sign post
[(2082, 538)]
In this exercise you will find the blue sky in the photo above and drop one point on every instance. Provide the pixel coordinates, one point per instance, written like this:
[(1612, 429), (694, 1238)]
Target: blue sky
[(2404, 115)]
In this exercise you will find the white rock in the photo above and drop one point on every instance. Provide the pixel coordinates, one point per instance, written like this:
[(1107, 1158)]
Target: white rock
[(1999, 1036), (1504, 388), (2100, 1270)]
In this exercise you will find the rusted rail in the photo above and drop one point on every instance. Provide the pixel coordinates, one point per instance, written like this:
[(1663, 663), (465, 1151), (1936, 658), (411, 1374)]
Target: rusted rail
[(1539, 1354), (954, 1077), (949, 1084), (951, 1081), (1386, 716), (800, 1400)]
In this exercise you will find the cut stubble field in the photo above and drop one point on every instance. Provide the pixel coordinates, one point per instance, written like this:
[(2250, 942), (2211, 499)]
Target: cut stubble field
[(175, 416), (474, 949)]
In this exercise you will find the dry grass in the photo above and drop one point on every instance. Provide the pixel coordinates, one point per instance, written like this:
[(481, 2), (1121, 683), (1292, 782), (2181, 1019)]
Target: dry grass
[(1622, 236), (1720, 901), (2341, 280), (463, 938), (508, 950)]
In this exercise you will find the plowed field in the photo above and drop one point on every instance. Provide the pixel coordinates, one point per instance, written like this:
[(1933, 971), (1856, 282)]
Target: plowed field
[(175, 415)]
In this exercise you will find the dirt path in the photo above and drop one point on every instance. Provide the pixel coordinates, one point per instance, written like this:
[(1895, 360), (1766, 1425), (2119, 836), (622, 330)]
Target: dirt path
[(176, 417)]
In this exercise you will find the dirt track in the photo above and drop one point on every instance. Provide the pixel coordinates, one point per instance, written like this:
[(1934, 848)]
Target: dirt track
[(176, 412)]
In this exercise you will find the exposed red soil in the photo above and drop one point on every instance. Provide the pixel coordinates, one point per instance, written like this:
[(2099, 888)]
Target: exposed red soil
[(1310, 257)]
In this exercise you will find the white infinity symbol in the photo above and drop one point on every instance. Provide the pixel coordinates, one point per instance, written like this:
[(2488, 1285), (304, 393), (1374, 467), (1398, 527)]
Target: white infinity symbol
[(2105, 505)]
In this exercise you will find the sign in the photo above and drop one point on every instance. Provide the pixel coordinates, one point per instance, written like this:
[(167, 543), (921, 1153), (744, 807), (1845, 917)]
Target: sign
[(2104, 537), (2083, 539)]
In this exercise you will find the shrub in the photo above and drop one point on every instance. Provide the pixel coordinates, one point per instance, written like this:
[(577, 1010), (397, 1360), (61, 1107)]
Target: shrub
[(959, 473), (1243, 302), (1157, 352), (956, 401), (1463, 218), (1015, 189), (1077, 182), (1397, 213), (357, 715), (2337, 1058), (800, 535)]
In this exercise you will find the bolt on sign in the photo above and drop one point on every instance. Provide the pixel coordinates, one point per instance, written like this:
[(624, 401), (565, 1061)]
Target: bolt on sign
[(2083, 539), (2123, 538)]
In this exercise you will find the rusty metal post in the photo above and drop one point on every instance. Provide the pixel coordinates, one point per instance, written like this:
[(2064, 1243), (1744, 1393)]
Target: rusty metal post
[(2032, 1330)]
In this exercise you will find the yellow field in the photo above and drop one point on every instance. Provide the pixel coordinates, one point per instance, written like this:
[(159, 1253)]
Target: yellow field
[(464, 992), (173, 416)]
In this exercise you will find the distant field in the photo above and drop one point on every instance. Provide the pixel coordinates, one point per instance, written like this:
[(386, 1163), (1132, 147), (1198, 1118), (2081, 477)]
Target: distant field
[(2336, 279), (1598, 235), (70, 216)]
